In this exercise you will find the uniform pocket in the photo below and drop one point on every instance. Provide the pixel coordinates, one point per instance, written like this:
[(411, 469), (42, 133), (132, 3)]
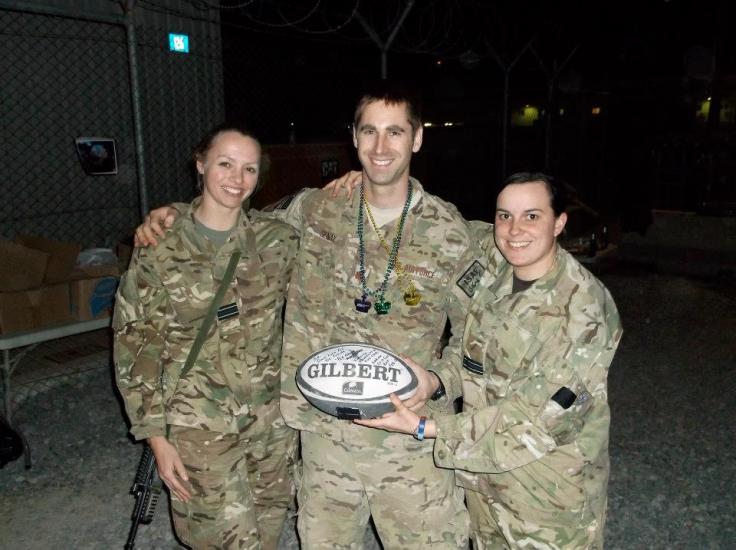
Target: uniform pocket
[(314, 268), (220, 492), (506, 350), (565, 412)]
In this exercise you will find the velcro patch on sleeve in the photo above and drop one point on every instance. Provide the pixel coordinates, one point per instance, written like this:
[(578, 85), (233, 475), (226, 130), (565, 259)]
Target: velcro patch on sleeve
[(564, 397), (469, 280), (285, 202)]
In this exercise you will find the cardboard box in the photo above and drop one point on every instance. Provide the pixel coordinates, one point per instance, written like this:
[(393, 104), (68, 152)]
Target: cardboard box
[(21, 267), (16, 312), (93, 298), (36, 308), (94, 272), (62, 256), (97, 271), (51, 305)]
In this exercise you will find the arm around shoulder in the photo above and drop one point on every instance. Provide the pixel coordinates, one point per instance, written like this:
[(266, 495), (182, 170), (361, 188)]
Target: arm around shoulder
[(288, 209)]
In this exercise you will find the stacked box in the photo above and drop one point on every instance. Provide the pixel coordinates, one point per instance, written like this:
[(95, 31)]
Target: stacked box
[(62, 256), (16, 312), (25, 310), (93, 298), (39, 286), (21, 267)]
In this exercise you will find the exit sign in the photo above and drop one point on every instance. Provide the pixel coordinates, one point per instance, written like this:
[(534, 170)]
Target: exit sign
[(178, 43)]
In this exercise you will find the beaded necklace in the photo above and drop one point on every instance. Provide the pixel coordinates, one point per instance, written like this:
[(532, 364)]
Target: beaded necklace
[(381, 306), (411, 295)]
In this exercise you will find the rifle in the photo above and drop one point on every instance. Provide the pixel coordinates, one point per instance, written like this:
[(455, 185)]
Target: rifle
[(146, 489)]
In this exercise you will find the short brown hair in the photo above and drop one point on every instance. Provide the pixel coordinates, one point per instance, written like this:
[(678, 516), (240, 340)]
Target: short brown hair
[(391, 93)]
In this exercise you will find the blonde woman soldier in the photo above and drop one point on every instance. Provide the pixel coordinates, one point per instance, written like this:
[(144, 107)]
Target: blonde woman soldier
[(220, 443)]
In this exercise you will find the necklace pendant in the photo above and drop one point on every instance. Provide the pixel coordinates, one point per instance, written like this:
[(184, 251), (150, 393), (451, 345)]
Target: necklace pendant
[(412, 297), (382, 307), (362, 304)]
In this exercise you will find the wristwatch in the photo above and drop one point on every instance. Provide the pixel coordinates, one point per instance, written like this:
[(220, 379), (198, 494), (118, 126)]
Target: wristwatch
[(440, 392)]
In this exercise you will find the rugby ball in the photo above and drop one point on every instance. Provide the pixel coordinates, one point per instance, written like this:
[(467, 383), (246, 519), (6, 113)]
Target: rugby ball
[(354, 380)]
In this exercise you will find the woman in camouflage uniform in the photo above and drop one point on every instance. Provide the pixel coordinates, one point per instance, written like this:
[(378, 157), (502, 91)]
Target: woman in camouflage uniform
[(531, 445), (220, 443)]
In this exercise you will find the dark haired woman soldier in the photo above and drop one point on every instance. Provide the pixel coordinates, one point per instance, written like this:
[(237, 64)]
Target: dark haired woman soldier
[(531, 445)]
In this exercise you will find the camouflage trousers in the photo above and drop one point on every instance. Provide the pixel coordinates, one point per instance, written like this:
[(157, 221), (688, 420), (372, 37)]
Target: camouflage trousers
[(241, 488), (496, 527), (414, 504)]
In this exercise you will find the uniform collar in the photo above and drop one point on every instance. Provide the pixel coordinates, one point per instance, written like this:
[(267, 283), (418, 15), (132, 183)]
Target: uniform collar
[(242, 237), (414, 212), (355, 199), (502, 286)]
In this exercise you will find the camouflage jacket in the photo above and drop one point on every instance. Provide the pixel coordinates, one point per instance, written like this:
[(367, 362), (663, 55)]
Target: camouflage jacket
[(436, 250), (534, 429), (161, 302)]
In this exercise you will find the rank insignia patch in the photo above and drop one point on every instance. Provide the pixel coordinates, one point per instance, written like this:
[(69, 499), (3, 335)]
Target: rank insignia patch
[(227, 311), (472, 366), (469, 280)]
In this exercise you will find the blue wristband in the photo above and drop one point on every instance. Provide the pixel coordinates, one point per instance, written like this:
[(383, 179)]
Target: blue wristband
[(419, 433)]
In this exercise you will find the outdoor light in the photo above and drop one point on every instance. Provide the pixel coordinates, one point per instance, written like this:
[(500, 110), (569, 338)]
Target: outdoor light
[(596, 110), (704, 109), (526, 116), (428, 124)]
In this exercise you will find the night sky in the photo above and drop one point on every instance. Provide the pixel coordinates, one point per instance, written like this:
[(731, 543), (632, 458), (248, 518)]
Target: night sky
[(628, 83)]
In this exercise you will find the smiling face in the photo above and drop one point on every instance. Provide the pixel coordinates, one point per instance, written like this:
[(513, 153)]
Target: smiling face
[(229, 169), (385, 142), (526, 228)]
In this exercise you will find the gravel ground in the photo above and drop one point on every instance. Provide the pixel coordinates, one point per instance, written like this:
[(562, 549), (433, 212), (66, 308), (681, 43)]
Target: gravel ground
[(673, 449)]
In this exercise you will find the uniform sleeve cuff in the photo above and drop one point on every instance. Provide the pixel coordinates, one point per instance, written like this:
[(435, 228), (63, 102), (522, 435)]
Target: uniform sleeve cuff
[(447, 427), (444, 452), (453, 387), (144, 432)]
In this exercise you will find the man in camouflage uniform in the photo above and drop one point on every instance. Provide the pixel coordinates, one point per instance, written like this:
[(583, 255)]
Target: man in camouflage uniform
[(531, 445), (349, 472), (222, 415)]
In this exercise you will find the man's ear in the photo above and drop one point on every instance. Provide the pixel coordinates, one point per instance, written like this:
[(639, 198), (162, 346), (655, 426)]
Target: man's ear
[(560, 222), (200, 167), (418, 135), (355, 137)]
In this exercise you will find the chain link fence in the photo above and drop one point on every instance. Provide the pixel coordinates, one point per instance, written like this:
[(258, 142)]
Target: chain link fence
[(63, 78), (692, 173)]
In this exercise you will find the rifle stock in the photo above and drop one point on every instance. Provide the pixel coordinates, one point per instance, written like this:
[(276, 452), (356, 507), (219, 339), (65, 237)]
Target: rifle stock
[(147, 490)]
